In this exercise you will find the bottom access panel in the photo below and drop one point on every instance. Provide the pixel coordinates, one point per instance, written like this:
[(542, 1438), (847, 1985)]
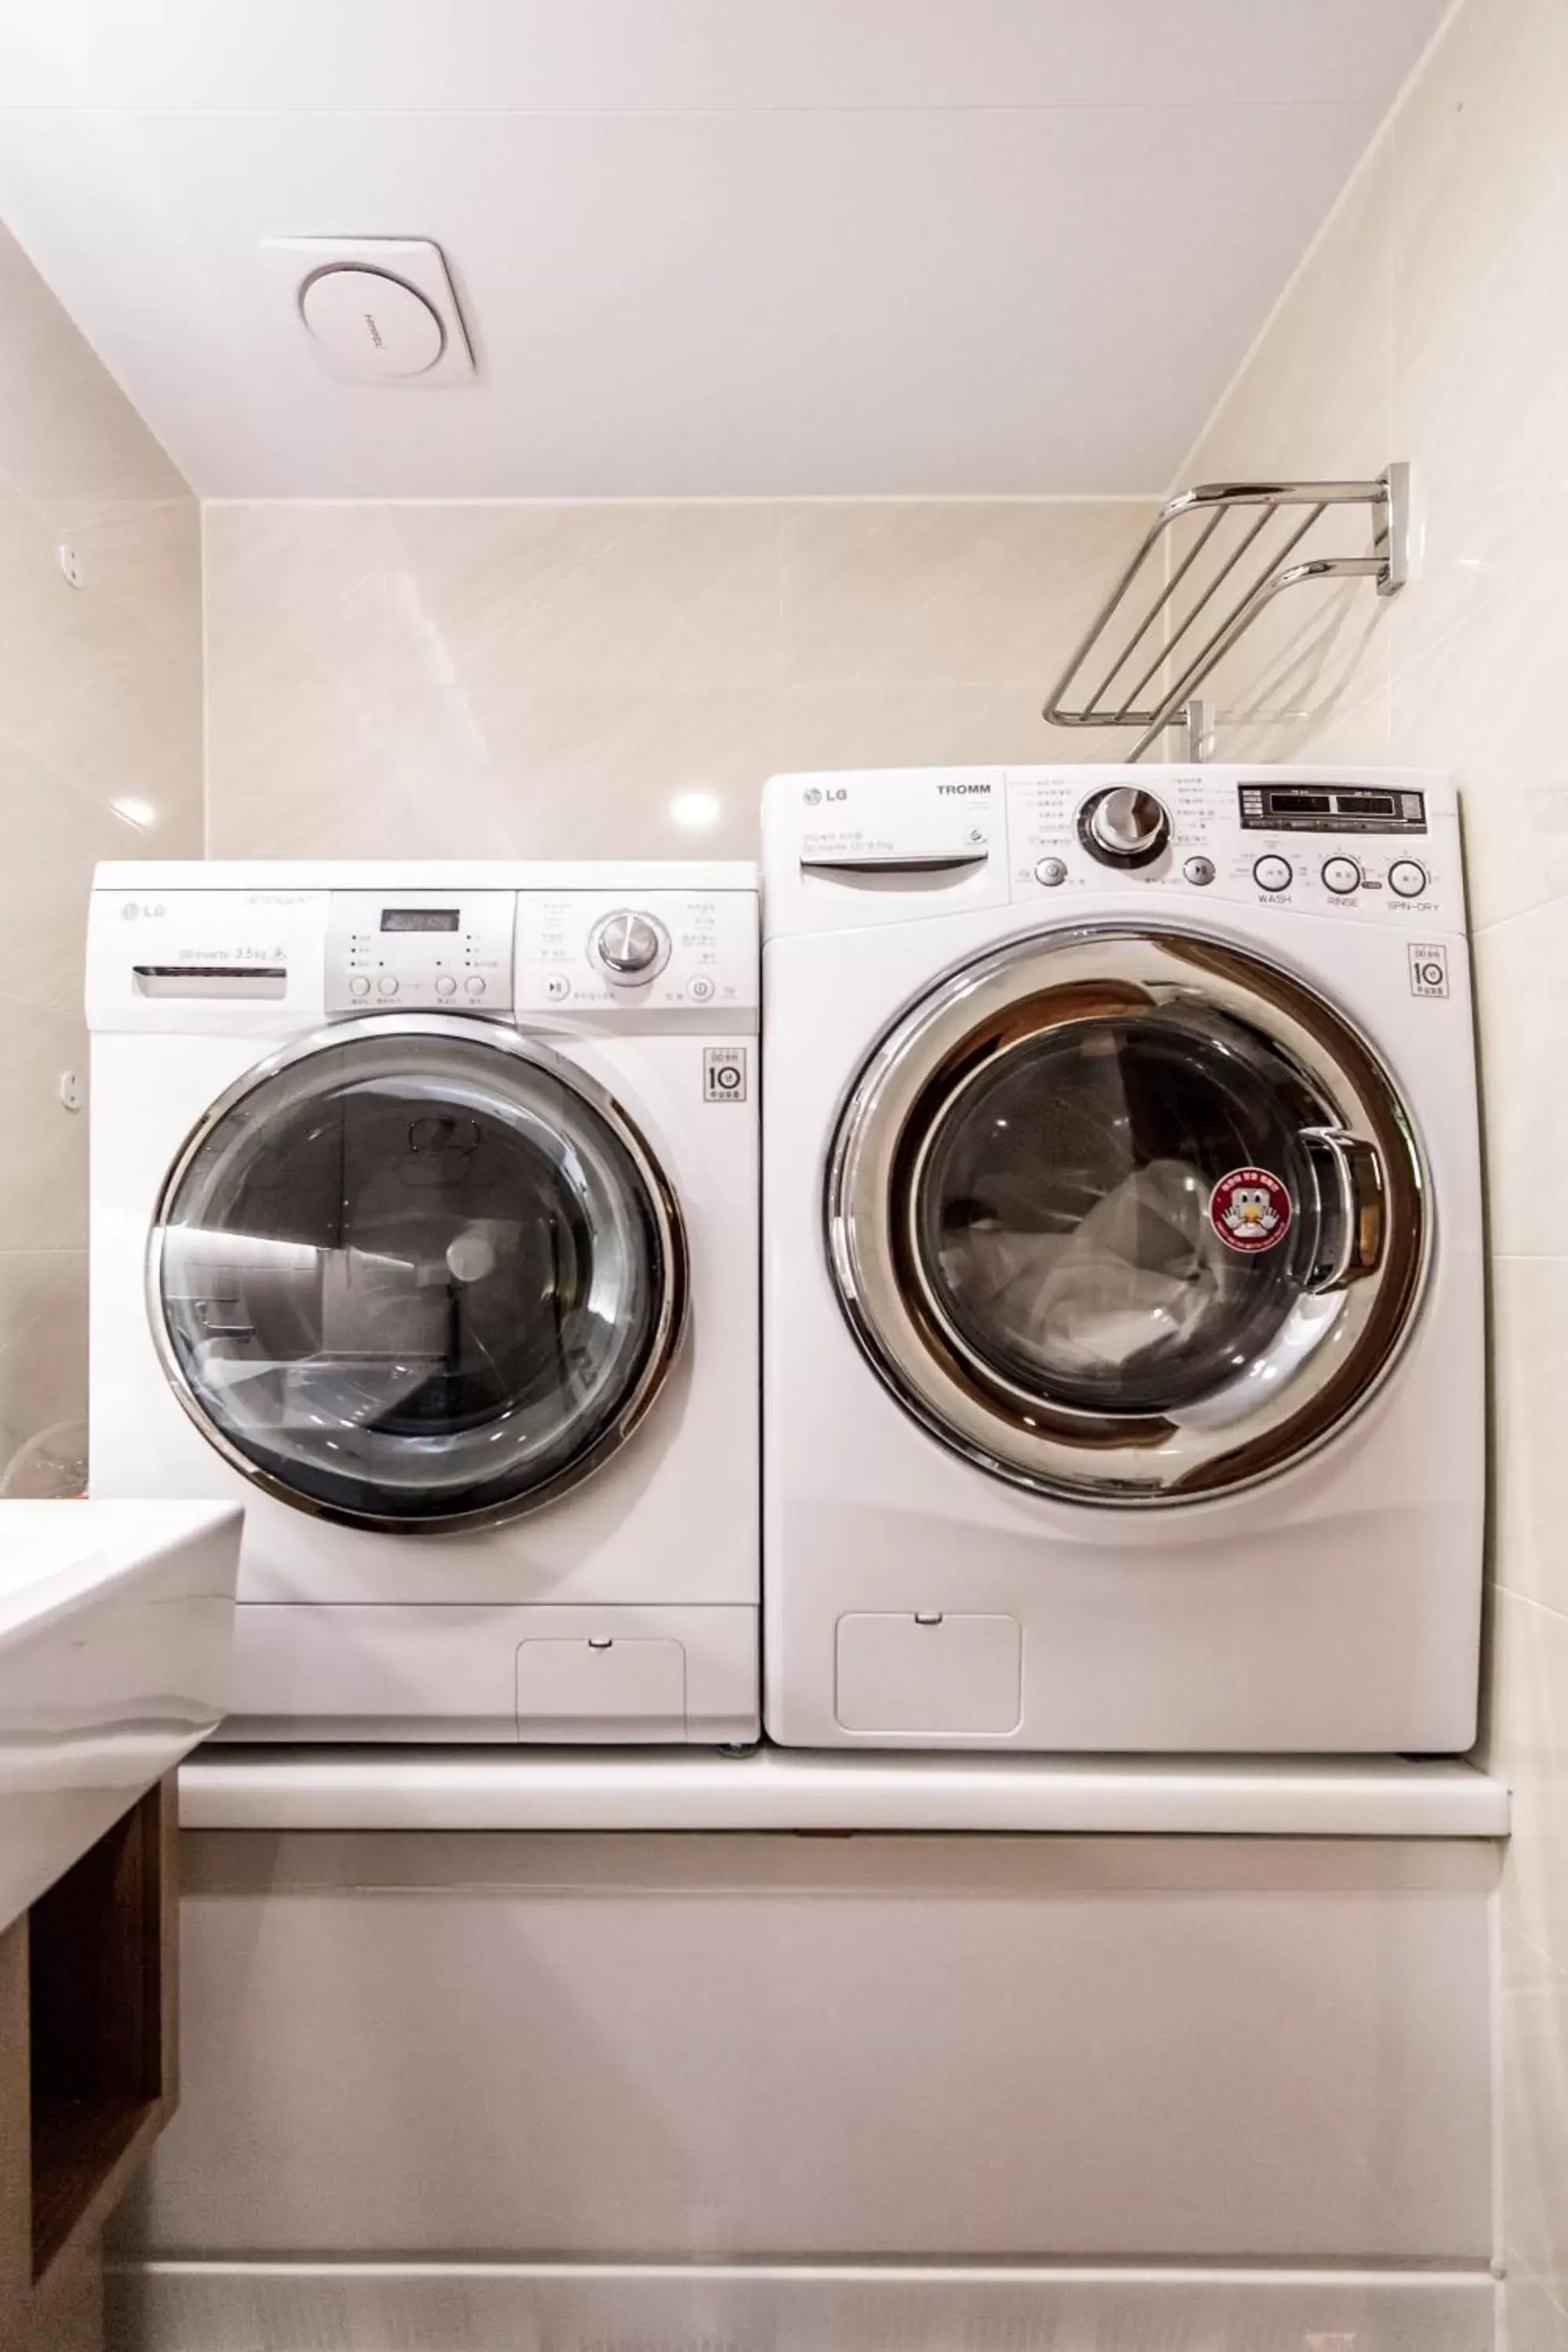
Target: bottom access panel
[(371, 1672), (919, 1674)]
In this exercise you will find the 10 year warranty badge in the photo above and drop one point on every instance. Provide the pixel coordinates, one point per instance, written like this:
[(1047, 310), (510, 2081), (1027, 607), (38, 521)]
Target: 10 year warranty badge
[(724, 1073), (1428, 970)]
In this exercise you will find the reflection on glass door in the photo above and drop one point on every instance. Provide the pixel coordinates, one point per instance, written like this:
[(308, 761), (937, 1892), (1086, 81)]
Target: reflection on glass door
[(415, 1278)]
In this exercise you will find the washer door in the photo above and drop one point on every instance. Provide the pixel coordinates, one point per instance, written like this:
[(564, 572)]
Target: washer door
[(417, 1274), (1127, 1217)]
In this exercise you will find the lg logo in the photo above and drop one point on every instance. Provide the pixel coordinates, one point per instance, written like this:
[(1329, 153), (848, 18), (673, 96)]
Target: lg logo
[(813, 795)]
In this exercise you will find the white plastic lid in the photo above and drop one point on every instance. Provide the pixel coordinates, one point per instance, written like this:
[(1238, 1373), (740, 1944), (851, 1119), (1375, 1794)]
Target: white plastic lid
[(370, 322)]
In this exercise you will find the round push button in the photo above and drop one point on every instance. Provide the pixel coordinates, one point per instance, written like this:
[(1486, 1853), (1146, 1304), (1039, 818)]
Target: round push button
[(1199, 870), (1405, 878), (701, 988), (1273, 873), (360, 984), (474, 984), (445, 984), (1050, 871), (387, 984), (557, 986), (1341, 875)]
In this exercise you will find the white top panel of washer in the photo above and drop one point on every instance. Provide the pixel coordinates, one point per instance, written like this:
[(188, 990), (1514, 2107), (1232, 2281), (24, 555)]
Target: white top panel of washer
[(269, 949), (848, 850)]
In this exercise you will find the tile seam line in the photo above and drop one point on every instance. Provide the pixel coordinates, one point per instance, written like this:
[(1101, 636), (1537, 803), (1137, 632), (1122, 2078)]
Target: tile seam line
[(1528, 1600), (1024, 2268), (937, 110), (554, 500), (1489, 930), (1542, 1951), (204, 656)]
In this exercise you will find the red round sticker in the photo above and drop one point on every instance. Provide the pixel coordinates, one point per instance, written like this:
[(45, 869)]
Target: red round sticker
[(1249, 1209)]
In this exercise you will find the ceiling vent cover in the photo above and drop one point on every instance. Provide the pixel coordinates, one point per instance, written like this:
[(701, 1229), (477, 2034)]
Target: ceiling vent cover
[(376, 310)]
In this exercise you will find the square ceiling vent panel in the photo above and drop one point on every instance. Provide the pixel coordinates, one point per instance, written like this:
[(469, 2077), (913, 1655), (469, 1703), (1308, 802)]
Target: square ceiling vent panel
[(376, 309)]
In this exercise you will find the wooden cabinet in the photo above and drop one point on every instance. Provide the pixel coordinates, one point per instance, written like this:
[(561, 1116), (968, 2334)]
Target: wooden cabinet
[(89, 2070)]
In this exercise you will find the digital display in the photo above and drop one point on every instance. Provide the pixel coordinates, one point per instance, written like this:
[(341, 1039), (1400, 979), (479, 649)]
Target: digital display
[(419, 919), (1301, 803), (1330, 808)]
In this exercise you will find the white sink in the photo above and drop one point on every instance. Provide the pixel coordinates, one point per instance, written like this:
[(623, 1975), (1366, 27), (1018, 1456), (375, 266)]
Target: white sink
[(116, 1635)]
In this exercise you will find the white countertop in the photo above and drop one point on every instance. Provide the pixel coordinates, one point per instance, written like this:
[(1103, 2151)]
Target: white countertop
[(234, 1787)]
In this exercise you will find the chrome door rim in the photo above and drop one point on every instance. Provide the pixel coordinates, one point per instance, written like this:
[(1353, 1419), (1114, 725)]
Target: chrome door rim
[(668, 1325), (1133, 1460)]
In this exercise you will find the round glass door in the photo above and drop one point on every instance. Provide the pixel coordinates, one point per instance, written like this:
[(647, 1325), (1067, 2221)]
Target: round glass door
[(1127, 1217), (411, 1276)]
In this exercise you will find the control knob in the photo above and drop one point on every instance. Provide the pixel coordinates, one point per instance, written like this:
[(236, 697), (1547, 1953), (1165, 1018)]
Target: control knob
[(1124, 826), (630, 946)]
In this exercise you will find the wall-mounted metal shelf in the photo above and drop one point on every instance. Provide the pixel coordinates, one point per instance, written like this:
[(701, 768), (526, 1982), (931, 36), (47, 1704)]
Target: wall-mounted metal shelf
[(1157, 653)]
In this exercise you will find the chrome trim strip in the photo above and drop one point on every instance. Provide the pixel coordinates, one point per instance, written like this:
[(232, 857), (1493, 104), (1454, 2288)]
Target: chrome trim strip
[(669, 1323)]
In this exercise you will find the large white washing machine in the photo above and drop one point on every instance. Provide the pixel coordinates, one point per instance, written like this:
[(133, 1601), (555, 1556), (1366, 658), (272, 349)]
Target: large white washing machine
[(1123, 1360), (424, 1221)]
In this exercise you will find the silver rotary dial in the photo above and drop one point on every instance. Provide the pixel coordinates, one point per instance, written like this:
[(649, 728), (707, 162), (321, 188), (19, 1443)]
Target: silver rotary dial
[(1124, 826), (628, 945)]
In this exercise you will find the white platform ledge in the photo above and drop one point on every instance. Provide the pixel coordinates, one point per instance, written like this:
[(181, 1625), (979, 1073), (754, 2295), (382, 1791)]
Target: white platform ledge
[(236, 1788)]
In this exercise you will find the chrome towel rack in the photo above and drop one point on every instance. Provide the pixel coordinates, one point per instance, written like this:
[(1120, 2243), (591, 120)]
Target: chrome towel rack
[(1161, 640)]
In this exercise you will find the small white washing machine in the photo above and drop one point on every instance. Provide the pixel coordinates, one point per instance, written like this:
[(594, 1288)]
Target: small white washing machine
[(1123, 1359), (425, 1222)]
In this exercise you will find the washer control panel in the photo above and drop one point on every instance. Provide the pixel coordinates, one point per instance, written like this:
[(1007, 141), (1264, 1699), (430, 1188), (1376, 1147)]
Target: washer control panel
[(655, 955), (1363, 844), (420, 951)]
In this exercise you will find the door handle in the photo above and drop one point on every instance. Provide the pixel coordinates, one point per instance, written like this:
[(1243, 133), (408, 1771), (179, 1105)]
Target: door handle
[(1363, 1207)]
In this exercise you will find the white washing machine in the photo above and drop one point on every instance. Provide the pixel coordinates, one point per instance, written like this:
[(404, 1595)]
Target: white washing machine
[(424, 1221), (1123, 1363)]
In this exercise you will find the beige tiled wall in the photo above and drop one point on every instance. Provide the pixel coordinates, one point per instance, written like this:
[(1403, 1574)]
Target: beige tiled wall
[(100, 704), (1431, 324), (592, 680)]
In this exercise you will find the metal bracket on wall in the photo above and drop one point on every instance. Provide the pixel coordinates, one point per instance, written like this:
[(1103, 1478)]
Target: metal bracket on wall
[(1164, 626)]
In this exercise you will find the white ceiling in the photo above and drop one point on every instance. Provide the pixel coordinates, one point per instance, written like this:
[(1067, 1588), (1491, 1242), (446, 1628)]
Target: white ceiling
[(704, 246)]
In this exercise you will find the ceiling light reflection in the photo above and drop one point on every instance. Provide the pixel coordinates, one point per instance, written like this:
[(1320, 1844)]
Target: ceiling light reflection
[(696, 811)]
